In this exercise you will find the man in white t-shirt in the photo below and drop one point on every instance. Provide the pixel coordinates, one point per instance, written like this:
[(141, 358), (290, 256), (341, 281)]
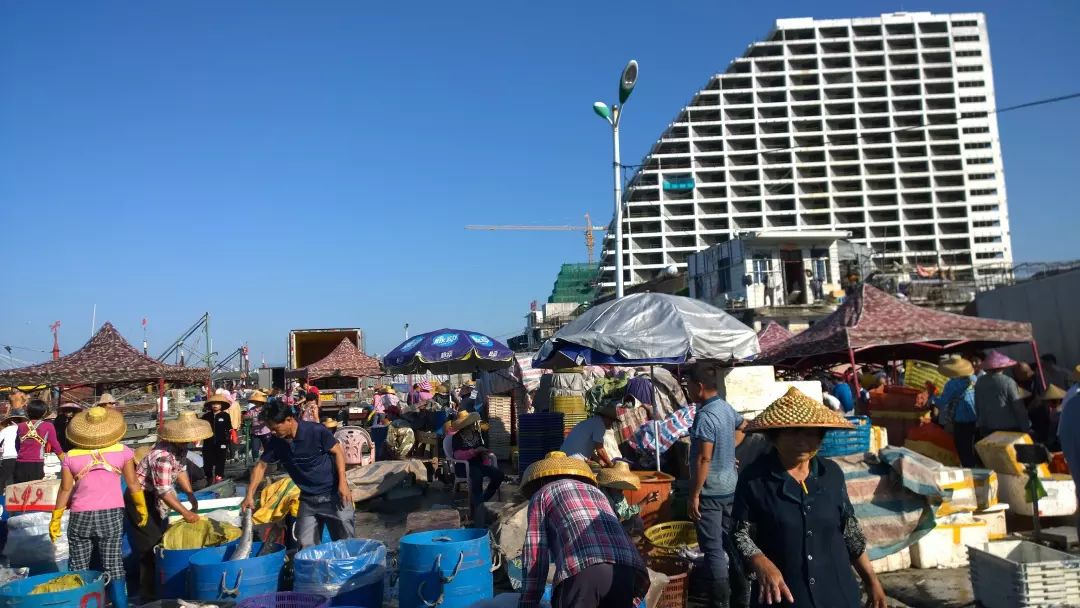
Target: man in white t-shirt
[(586, 439)]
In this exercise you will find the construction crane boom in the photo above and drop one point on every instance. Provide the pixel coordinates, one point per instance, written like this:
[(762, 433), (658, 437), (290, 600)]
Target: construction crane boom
[(588, 229)]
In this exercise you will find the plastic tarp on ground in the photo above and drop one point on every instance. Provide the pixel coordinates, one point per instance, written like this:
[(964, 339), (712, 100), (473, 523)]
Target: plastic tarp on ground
[(879, 327), (380, 477), (645, 328), (339, 567)]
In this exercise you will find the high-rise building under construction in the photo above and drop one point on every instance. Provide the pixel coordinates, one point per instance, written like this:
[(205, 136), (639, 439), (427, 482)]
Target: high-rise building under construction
[(884, 127)]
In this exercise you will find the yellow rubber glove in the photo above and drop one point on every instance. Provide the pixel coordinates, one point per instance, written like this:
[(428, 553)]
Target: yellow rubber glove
[(143, 515), (56, 525)]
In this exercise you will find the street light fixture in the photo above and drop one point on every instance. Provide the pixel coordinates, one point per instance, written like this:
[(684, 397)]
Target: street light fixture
[(612, 115)]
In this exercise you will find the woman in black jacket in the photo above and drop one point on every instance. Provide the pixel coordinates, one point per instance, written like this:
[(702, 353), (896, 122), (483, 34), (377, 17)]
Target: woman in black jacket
[(216, 448)]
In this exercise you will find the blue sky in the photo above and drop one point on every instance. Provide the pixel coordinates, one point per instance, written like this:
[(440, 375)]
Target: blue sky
[(285, 164)]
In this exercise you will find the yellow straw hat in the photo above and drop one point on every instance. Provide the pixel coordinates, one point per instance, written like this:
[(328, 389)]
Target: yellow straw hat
[(557, 463), (330, 423), (106, 399), (464, 419), (956, 367), (216, 398), (1024, 393), (186, 429), (1053, 393), (257, 397), (869, 380), (96, 428), (618, 476), (796, 410)]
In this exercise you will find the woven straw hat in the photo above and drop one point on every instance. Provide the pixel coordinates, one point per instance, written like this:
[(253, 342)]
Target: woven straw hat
[(330, 423), (141, 453), (796, 410), (186, 429), (956, 367), (216, 398), (619, 477), (464, 419), (70, 405), (996, 360), (17, 399), (869, 380), (106, 399), (96, 428), (1024, 393), (1053, 393), (257, 397), (442, 389), (386, 389), (557, 463)]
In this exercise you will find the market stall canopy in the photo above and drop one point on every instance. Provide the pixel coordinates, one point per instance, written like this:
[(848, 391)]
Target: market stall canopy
[(648, 328), (876, 326), (345, 360), (448, 351), (772, 336), (107, 359)]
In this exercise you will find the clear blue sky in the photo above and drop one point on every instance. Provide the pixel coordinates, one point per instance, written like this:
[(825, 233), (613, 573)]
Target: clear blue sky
[(312, 164)]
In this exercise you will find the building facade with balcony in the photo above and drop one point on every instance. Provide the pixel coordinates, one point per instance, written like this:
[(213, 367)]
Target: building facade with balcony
[(881, 127)]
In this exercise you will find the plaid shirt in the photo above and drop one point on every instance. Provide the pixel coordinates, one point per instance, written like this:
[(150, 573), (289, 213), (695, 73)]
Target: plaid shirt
[(158, 472), (571, 524), (674, 427)]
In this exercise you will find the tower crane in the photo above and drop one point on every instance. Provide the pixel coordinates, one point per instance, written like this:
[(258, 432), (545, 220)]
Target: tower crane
[(588, 229)]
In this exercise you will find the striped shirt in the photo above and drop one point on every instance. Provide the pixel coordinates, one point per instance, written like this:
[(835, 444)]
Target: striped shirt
[(571, 524)]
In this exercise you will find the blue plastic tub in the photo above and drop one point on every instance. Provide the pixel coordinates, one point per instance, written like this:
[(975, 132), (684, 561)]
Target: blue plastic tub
[(212, 576), (454, 565), (16, 594), (172, 570), (351, 571)]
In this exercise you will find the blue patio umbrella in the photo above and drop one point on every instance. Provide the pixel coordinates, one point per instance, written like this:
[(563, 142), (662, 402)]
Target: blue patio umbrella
[(449, 351)]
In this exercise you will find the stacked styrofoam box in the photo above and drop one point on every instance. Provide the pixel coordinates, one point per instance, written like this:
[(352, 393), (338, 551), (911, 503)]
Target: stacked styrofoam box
[(1060, 499), (946, 545), (986, 487), (901, 560), (753, 388), (995, 520), (1021, 574)]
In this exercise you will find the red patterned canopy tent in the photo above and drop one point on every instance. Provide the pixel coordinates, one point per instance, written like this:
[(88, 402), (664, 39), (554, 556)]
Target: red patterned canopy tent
[(106, 359), (772, 336), (872, 326), (345, 360)]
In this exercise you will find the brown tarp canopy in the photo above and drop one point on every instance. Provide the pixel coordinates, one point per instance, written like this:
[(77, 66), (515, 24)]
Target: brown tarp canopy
[(772, 336), (345, 360), (106, 359), (872, 326)]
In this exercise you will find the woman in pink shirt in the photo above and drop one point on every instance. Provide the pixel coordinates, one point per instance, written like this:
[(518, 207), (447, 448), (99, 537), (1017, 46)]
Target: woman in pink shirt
[(90, 486), (34, 438)]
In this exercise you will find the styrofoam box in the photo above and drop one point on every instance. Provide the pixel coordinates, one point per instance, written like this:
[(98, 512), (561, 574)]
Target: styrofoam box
[(1060, 498), (752, 388), (1021, 574), (901, 560), (946, 545), (995, 520), (986, 487)]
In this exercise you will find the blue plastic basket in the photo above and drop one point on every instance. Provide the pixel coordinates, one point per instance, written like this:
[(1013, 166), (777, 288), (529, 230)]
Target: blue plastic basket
[(844, 442)]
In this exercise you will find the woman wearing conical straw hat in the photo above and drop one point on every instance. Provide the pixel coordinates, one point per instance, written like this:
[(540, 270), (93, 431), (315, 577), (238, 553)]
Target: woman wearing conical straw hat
[(613, 481), (159, 473), (956, 405), (794, 524), (571, 525), (90, 482)]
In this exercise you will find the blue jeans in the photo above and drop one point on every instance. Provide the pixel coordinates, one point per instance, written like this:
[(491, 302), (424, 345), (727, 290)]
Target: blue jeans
[(711, 532)]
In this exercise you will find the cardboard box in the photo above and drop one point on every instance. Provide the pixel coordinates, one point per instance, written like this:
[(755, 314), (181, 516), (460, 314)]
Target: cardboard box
[(946, 545)]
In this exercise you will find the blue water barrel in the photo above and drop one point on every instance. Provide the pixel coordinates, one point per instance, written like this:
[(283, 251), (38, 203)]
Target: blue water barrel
[(452, 564), (213, 577), (16, 594), (172, 570)]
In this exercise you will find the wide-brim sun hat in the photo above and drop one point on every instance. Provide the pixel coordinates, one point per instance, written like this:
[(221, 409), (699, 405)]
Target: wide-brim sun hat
[(257, 397), (996, 360), (217, 398), (96, 428), (141, 453), (956, 367), (17, 412), (797, 410), (106, 399), (1053, 393), (186, 428), (70, 405), (557, 464), (464, 419), (618, 476), (330, 423)]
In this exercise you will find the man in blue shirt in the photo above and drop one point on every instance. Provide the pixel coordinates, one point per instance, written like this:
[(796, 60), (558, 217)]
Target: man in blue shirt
[(843, 392), (316, 463), (713, 476)]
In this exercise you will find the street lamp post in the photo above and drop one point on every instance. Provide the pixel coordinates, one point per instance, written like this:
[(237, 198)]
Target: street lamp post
[(612, 115)]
